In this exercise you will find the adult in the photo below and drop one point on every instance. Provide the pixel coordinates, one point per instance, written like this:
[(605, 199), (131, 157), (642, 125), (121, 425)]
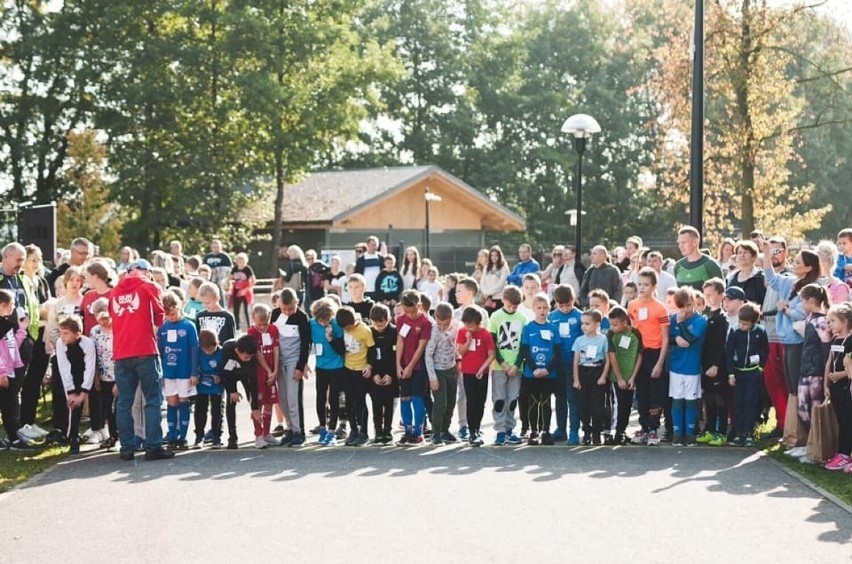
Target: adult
[(726, 257), (571, 270), (317, 272), (773, 371), (26, 311), (369, 264), (828, 254), (480, 265), (664, 279), (494, 278), (526, 265), (410, 267), (631, 247), (695, 268), (81, 251), (335, 278), (37, 367), (548, 280), (600, 275), (242, 281), (99, 281), (136, 308), (293, 272), (176, 254), (220, 264), (126, 256), (748, 276)]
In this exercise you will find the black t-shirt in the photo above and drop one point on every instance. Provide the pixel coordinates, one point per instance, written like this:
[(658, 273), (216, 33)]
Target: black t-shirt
[(217, 260), (336, 279), (220, 322), (235, 370), (363, 309)]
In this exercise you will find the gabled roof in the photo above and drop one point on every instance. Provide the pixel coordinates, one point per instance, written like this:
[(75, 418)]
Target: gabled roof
[(331, 197)]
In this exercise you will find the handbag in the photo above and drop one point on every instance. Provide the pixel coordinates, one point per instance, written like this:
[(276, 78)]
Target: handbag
[(794, 430), (824, 436)]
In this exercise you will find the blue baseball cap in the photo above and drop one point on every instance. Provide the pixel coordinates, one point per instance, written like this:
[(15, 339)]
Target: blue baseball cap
[(139, 264)]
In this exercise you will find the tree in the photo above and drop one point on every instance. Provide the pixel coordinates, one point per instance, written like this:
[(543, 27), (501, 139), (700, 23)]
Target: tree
[(87, 209)]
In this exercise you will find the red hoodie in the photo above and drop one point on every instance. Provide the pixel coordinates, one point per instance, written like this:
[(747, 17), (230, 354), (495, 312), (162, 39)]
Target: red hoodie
[(137, 310)]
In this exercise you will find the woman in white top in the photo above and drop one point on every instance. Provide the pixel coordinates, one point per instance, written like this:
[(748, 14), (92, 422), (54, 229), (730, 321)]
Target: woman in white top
[(481, 265), (494, 280), (410, 268)]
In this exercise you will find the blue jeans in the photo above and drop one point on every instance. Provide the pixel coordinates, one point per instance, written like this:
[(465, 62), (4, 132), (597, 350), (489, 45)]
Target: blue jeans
[(130, 373), (746, 408), (567, 409)]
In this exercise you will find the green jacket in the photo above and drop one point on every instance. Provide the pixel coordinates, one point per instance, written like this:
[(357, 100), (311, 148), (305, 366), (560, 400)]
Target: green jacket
[(32, 304)]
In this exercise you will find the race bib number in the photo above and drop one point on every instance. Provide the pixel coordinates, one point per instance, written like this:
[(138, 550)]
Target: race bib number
[(754, 359), (643, 313), (564, 329), (266, 339), (290, 331), (171, 336), (591, 351), (546, 334), (624, 342), (404, 331)]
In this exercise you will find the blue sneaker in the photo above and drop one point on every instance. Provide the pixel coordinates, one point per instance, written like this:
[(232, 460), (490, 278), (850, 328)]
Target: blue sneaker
[(463, 433), (501, 439), (208, 437), (513, 439), (559, 435), (323, 434), (574, 438)]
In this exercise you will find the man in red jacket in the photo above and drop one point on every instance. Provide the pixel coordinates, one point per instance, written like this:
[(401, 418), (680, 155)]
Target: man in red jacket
[(137, 311)]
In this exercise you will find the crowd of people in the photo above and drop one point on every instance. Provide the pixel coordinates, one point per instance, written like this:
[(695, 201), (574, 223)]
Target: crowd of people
[(700, 348)]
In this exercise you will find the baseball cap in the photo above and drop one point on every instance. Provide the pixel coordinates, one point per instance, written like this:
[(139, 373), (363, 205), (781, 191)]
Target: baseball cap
[(139, 264), (735, 293)]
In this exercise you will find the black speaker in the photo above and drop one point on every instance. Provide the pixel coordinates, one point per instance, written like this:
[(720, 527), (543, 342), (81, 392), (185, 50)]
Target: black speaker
[(37, 226)]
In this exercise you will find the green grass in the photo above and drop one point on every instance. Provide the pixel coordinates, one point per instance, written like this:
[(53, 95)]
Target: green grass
[(17, 467)]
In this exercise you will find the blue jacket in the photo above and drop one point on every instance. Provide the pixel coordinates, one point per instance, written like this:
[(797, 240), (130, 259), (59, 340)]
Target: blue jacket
[(517, 275), (210, 365), (747, 350), (783, 284)]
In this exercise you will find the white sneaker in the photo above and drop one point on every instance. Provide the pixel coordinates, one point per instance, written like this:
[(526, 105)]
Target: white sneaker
[(272, 440), (87, 434), (38, 430), (259, 442), (96, 438), (796, 452), (28, 433)]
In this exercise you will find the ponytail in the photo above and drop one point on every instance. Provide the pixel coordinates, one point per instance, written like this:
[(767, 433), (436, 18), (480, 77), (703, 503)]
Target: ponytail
[(816, 292)]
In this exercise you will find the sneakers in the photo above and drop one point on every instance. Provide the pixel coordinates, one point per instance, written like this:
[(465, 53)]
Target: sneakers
[(74, 445), (340, 433), (740, 441), (596, 439), (587, 439), (719, 439), (475, 440), (559, 435), (416, 440), (437, 440), (848, 468), (95, 438), (653, 438), (449, 437), (323, 433), (705, 438), (317, 430), (127, 455), (159, 453), (4, 444), (513, 439), (689, 440), (297, 440), (109, 443), (679, 441), (28, 433), (404, 440), (208, 437), (574, 438), (665, 436), (838, 462), (330, 439), (640, 437), (232, 444), (608, 439), (199, 442), (620, 439), (796, 452), (278, 430), (361, 439), (272, 440), (500, 440), (259, 443), (464, 433), (21, 444), (749, 442), (533, 440), (287, 436), (547, 439), (350, 440)]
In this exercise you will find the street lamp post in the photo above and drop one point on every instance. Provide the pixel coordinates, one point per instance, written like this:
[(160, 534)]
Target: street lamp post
[(581, 126), (429, 196)]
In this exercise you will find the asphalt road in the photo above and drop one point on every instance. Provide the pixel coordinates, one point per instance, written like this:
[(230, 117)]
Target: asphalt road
[(424, 504)]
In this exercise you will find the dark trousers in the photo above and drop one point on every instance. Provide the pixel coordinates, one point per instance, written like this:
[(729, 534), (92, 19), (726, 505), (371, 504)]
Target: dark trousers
[(538, 393), (746, 400), (60, 407), (382, 412), (329, 386), (73, 430), (96, 414), (651, 393), (591, 399), (716, 409), (9, 404), (476, 391), (31, 386), (231, 412), (214, 401), (622, 404), (524, 407), (842, 400), (239, 303), (356, 388), (107, 407)]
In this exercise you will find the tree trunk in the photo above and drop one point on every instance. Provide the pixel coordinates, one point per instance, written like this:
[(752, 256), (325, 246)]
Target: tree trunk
[(749, 150)]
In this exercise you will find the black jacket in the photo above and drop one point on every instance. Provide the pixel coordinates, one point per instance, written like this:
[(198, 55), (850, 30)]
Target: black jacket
[(742, 347)]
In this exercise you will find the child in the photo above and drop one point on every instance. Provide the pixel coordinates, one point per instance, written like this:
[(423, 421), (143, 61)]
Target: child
[(671, 306), (700, 302), (530, 287), (567, 319), (746, 350), (507, 326), (837, 384), (193, 304), (441, 366), (384, 384), (687, 330), (451, 280), (177, 340), (239, 365), (648, 315), (357, 297), (713, 367), (294, 345), (209, 389), (599, 301), (466, 291), (213, 317), (628, 294), (12, 368), (814, 350), (413, 332), (267, 339), (844, 261), (540, 351), (388, 283), (476, 349), (329, 348), (431, 286), (732, 301), (624, 350), (358, 339), (102, 338), (591, 365), (77, 359)]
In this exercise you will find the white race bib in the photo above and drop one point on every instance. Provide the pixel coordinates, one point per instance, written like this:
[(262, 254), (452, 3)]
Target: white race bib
[(837, 348), (171, 336), (643, 313), (546, 334), (754, 359), (564, 329), (404, 330), (290, 331), (266, 339), (378, 353), (591, 351), (232, 364), (624, 342), (68, 309), (22, 313), (318, 349), (472, 346)]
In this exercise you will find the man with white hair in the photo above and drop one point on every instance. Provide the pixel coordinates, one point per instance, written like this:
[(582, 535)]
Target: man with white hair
[(81, 251), (664, 279), (601, 275)]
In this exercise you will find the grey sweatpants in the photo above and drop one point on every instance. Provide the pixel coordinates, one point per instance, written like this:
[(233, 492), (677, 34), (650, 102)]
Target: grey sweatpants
[(504, 394), (461, 406), (444, 400), (288, 396)]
